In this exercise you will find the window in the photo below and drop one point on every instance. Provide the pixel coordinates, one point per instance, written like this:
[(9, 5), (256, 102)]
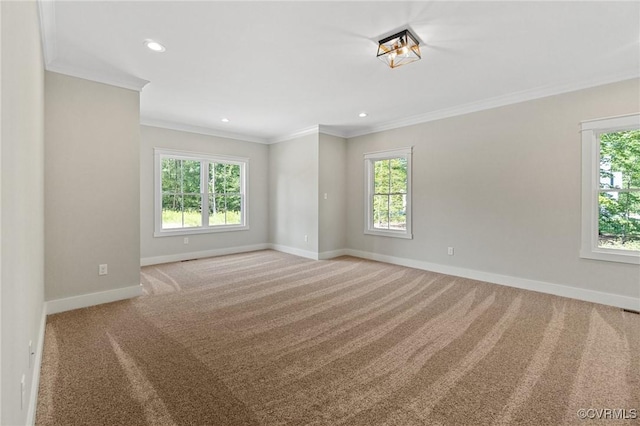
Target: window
[(388, 193), (611, 189), (199, 193)]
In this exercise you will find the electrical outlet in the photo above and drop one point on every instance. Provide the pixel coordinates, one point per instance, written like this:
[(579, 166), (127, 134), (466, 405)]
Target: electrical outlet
[(450, 251), (185, 240), (306, 239), (102, 269), (325, 196)]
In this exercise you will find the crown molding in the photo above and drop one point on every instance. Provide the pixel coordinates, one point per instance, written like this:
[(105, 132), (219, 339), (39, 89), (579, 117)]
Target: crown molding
[(509, 99), (170, 125), (318, 128), (48, 34), (48, 31), (297, 134), (327, 130), (121, 80)]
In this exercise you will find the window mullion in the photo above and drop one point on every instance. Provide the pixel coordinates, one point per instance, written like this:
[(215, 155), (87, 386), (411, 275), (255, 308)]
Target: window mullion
[(389, 198), (225, 207), (204, 191), (627, 190), (225, 169), (182, 191)]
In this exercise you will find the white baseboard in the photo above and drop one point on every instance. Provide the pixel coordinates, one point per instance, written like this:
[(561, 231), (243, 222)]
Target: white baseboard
[(331, 254), (37, 362), (325, 255), (91, 299), (295, 251), (594, 296), (146, 261)]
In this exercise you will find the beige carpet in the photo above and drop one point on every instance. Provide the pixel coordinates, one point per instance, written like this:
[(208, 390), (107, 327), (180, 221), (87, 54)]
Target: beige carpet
[(266, 338)]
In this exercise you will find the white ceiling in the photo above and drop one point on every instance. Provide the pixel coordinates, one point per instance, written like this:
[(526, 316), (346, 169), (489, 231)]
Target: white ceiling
[(277, 68)]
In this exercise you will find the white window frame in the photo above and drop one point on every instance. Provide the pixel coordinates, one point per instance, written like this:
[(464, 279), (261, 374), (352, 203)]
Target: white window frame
[(369, 159), (160, 153), (591, 131)]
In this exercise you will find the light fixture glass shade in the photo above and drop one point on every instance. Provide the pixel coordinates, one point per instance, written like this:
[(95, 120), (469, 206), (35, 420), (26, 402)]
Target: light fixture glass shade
[(399, 49)]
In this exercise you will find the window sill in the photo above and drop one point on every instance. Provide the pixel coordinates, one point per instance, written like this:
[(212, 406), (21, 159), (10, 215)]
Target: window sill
[(195, 231), (393, 234), (619, 256)]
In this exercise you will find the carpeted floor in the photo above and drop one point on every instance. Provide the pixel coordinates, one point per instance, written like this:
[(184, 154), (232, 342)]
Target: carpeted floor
[(265, 338)]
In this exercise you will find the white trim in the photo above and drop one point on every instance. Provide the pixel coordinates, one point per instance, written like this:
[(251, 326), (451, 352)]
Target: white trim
[(48, 30), (194, 155), (37, 363), (200, 130), (172, 232), (317, 129), (388, 233), (625, 302), (91, 299), (181, 127), (611, 255), (297, 134), (295, 251), (591, 129), (495, 102), (156, 260), (327, 130), (122, 80), (49, 38), (388, 153), (325, 255), (615, 122)]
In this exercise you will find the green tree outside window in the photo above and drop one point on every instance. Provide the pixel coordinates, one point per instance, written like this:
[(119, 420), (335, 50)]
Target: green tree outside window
[(619, 193)]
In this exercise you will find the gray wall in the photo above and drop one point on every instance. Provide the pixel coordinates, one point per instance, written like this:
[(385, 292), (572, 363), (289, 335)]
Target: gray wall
[(92, 183), (258, 154), (293, 193), (502, 187), (332, 225), (22, 201)]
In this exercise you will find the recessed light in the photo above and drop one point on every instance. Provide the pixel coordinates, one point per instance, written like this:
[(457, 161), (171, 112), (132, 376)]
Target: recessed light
[(154, 45), (362, 115), (225, 120)]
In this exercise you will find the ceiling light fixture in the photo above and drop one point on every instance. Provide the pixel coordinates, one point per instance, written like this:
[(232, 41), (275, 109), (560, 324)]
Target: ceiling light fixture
[(154, 45), (399, 49), (362, 115), (225, 120)]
